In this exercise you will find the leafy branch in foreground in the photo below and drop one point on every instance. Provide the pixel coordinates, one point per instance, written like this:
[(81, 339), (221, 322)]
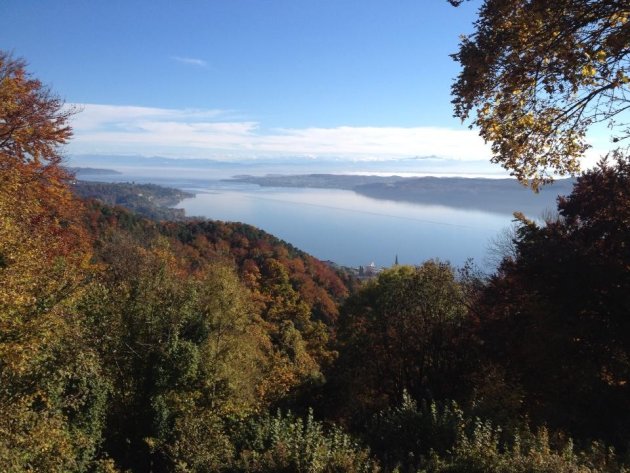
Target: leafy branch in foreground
[(537, 75)]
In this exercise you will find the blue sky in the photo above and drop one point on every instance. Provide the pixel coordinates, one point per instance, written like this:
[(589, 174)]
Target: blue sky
[(234, 78)]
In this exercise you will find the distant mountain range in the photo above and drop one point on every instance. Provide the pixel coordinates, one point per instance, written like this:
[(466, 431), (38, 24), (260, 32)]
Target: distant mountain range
[(296, 164), (376, 179)]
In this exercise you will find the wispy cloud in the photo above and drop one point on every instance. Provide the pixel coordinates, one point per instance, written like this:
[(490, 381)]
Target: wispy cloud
[(217, 133), (98, 117), (190, 61)]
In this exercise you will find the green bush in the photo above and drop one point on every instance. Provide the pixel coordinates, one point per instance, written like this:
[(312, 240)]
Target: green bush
[(439, 437), (286, 443)]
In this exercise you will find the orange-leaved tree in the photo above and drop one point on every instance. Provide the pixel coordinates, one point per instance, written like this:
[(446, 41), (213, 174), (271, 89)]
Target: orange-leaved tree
[(52, 396)]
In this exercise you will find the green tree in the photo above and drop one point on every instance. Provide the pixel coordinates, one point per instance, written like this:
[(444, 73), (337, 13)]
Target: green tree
[(555, 315), (441, 437), (537, 74), (401, 331), (184, 354), (285, 443)]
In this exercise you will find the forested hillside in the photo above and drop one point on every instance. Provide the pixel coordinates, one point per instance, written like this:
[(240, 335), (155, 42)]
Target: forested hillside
[(149, 200), (129, 344), (135, 345)]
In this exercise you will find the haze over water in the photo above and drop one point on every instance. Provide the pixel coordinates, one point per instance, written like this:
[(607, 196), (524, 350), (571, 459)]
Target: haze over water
[(351, 229), (332, 224)]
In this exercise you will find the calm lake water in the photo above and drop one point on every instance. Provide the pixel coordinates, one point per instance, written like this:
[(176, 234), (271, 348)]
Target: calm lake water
[(337, 225), (351, 229)]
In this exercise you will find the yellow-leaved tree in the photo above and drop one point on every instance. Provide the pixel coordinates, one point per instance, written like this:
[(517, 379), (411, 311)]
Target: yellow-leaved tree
[(51, 396), (536, 75)]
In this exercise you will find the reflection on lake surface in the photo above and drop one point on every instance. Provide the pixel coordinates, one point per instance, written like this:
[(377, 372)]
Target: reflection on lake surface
[(351, 229)]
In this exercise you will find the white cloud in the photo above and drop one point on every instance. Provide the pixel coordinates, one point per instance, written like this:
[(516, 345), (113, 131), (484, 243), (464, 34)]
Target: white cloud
[(190, 61), (216, 133), (98, 117), (380, 141)]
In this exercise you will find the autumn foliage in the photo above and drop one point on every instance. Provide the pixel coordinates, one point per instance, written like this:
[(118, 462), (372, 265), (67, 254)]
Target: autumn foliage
[(536, 75), (131, 345), (44, 257)]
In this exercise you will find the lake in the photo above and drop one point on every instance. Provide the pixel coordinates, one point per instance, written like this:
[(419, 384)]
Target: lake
[(351, 229), (337, 225)]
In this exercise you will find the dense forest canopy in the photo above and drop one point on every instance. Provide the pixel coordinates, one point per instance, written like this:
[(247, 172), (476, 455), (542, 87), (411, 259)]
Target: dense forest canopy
[(149, 200), (134, 345)]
